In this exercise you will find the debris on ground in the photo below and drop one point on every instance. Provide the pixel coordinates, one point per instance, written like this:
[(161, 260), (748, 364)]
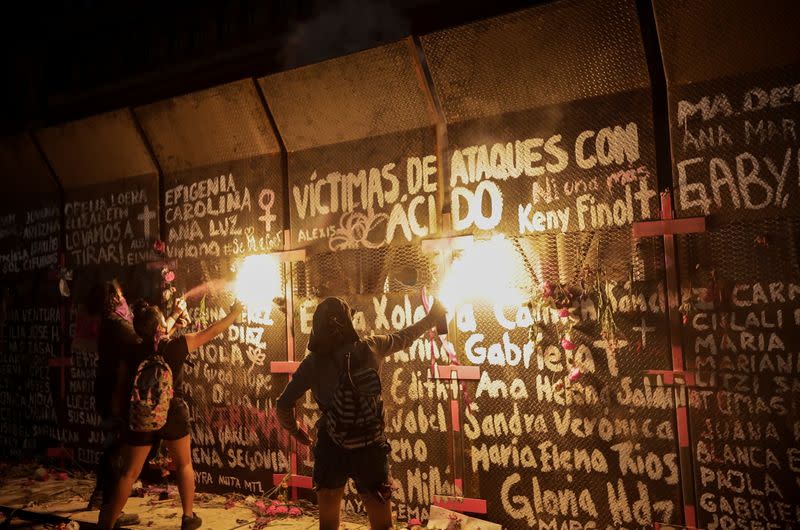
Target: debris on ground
[(66, 493)]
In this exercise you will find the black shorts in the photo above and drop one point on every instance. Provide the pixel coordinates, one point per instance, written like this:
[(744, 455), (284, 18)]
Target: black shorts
[(368, 466), (176, 427)]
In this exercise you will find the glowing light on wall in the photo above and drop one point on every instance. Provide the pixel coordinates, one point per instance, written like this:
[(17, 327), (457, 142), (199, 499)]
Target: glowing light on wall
[(258, 282), (487, 271)]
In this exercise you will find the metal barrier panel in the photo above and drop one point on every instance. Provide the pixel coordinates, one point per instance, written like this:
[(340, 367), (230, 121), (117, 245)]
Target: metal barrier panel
[(733, 103), (364, 188), (551, 144), (30, 224), (371, 93), (100, 149), (110, 212), (30, 316), (223, 201)]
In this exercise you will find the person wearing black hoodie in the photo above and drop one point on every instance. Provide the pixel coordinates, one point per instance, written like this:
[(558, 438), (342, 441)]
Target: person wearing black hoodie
[(332, 338)]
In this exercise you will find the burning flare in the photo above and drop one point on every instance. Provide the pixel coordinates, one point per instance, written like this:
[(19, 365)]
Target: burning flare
[(258, 282), (487, 271)]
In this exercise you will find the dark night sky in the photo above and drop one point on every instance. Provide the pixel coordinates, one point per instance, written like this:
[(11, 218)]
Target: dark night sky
[(67, 59)]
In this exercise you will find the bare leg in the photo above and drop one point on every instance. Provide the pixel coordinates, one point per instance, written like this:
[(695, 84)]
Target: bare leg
[(330, 504), (379, 511), (181, 452), (135, 456)]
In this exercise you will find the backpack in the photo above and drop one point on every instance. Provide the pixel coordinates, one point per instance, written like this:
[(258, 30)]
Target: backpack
[(151, 394), (354, 417)]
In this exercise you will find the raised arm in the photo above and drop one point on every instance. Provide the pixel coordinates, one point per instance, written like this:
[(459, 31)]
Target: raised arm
[(385, 344), (195, 340)]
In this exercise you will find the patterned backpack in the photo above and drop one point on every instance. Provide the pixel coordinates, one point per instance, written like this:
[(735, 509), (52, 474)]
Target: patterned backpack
[(354, 418), (151, 394)]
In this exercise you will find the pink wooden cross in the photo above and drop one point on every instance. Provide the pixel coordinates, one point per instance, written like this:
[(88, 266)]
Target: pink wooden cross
[(667, 227)]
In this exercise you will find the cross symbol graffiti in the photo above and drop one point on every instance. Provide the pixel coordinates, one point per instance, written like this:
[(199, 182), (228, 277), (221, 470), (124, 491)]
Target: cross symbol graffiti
[(644, 329), (145, 217)]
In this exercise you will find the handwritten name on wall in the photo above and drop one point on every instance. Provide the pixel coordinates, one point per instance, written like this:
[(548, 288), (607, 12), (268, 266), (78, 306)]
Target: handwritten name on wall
[(744, 405), (30, 239), (736, 149), (608, 440), (596, 452), (27, 409), (231, 213), (236, 439), (113, 227), (368, 207), (593, 180)]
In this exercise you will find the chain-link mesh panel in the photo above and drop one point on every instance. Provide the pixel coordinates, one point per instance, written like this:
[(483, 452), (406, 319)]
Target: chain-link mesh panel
[(541, 56), (588, 165), (22, 169), (739, 252), (396, 269), (710, 39), (520, 391), (231, 209), (734, 155), (365, 194), (217, 216), (734, 146), (238, 443), (100, 149), (370, 93), (563, 417), (111, 224), (573, 258), (31, 402), (218, 125), (30, 230), (740, 299)]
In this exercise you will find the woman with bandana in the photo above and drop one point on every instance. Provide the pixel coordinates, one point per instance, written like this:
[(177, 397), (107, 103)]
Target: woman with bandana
[(332, 339), (116, 341), (152, 329)]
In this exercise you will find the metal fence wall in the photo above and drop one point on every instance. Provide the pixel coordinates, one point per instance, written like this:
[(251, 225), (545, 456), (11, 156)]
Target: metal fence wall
[(733, 95), (651, 377), (222, 193)]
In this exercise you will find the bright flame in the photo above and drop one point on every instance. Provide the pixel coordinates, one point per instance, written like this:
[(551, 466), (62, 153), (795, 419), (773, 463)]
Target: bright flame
[(258, 282), (486, 271)]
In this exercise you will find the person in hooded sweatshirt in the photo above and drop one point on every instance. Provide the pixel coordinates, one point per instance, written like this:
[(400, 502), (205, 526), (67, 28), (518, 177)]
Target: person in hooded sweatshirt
[(332, 338)]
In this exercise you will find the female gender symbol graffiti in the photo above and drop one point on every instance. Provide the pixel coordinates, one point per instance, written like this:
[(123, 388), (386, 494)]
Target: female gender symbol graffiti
[(268, 217)]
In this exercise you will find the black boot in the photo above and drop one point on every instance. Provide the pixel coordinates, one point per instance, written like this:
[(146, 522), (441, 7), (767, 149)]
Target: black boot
[(191, 523)]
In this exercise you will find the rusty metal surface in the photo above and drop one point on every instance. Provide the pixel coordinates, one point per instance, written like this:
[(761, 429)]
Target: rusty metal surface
[(707, 39), (22, 169), (221, 124), (370, 93), (98, 149), (540, 56)]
